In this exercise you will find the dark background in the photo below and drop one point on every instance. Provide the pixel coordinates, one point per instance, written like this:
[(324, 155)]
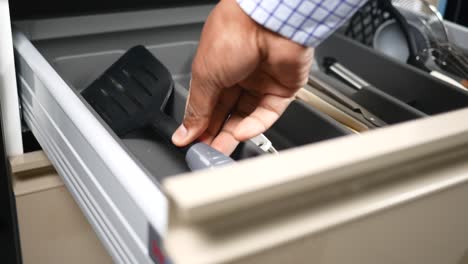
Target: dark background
[(456, 10), (28, 9), (10, 251)]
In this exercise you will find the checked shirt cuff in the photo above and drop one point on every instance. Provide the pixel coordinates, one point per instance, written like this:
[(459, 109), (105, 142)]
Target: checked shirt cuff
[(307, 22)]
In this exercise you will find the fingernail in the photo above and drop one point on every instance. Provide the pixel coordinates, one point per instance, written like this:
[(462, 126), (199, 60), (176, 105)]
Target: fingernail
[(180, 134)]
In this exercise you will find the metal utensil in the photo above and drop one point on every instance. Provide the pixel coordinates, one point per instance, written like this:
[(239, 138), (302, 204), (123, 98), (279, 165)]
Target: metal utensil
[(389, 109), (429, 13), (447, 56), (346, 101), (389, 40), (264, 144), (413, 58), (327, 105)]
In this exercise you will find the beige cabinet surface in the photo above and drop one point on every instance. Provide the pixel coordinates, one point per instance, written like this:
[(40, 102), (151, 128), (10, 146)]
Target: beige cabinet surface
[(52, 227)]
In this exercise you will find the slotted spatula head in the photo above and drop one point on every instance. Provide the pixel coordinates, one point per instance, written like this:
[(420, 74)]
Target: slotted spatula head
[(132, 93)]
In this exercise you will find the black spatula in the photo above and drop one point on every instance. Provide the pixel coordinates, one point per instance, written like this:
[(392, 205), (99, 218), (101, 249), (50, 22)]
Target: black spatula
[(133, 94)]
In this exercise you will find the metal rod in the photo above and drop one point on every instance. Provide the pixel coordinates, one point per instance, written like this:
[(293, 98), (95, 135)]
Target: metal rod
[(348, 76)]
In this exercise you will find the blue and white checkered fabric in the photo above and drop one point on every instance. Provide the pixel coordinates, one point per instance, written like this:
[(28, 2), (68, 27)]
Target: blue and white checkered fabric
[(307, 22)]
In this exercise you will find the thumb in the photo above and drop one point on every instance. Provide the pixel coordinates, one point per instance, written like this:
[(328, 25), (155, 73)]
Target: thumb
[(202, 99)]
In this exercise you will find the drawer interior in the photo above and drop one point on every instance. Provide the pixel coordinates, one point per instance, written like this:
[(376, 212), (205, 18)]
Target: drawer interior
[(80, 60), (415, 91)]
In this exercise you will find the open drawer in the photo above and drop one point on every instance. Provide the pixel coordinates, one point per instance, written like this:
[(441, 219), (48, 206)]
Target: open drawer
[(324, 202)]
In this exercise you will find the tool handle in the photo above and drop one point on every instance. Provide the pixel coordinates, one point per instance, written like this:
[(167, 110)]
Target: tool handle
[(331, 110), (201, 156), (198, 155), (165, 126)]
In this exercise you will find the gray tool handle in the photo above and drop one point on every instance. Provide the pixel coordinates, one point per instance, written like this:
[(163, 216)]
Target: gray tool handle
[(201, 156), (198, 155)]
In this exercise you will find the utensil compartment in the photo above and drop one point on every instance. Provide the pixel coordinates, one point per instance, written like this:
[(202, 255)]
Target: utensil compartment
[(415, 91)]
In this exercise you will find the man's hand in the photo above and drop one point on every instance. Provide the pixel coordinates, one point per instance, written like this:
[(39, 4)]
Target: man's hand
[(243, 78)]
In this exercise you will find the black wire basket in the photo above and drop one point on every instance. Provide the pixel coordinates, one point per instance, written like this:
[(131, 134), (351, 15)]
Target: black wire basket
[(365, 22)]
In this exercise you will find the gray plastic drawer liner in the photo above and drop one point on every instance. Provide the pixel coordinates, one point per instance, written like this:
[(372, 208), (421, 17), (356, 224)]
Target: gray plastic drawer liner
[(414, 91), (115, 181)]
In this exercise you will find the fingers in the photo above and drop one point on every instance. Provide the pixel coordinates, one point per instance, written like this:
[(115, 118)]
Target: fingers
[(227, 53), (202, 99), (263, 107), (225, 140), (227, 101), (268, 110), (217, 65), (253, 115)]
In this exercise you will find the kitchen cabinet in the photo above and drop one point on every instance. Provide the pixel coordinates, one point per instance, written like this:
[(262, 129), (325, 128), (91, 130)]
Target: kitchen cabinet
[(52, 229), (389, 195)]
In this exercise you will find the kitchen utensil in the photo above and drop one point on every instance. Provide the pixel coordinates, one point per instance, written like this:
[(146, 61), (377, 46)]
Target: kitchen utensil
[(264, 144), (389, 109), (370, 17), (428, 13), (389, 39), (132, 94), (446, 55), (310, 96), (346, 101), (413, 58)]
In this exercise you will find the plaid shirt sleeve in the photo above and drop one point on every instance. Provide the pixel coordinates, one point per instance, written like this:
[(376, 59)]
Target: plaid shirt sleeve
[(307, 22)]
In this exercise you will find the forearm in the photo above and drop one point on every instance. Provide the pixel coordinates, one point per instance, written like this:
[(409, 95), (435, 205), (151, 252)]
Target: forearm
[(307, 22)]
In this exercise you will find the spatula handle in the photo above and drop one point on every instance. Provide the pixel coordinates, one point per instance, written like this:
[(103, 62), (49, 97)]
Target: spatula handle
[(198, 155), (165, 126)]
